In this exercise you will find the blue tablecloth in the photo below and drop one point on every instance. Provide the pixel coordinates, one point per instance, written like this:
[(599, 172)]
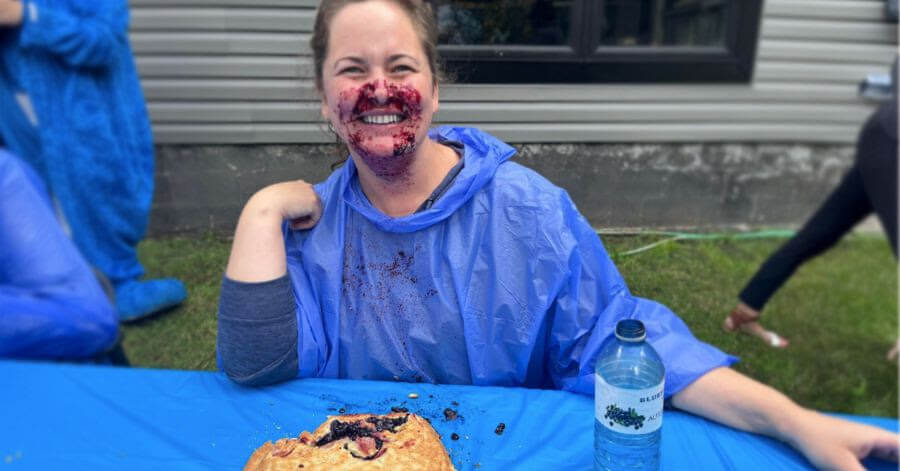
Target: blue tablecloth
[(57, 416)]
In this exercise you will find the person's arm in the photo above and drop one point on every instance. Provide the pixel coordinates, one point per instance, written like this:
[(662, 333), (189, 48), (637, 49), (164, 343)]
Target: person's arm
[(10, 13), (728, 397), (51, 305), (79, 40), (593, 298), (257, 253), (257, 338)]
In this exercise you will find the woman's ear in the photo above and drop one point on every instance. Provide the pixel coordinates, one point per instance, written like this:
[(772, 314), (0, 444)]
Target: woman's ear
[(324, 109), (434, 97)]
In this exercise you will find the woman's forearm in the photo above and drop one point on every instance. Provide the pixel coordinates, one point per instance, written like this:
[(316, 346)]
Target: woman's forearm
[(728, 397)]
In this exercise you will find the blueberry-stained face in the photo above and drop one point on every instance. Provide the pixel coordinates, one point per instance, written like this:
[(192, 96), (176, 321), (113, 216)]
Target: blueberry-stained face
[(380, 122), (378, 90)]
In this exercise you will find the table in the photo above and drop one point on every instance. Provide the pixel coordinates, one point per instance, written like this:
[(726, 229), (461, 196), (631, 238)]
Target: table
[(73, 417)]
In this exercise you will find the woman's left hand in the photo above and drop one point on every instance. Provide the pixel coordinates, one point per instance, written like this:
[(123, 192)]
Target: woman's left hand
[(10, 12), (831, 443)]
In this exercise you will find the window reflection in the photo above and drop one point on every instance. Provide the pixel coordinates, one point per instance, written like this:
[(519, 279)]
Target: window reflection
[(664, 22), (547, 22), (494, 22)]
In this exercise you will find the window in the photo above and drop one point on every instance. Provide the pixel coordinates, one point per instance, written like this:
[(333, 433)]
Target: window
[(583, 41)]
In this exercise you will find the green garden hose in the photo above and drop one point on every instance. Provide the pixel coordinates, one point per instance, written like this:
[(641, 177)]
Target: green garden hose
[(673, 236)]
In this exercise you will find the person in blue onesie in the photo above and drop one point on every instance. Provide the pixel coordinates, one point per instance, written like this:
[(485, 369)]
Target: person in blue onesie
[(51, 305), (72, 107), (431, 256)]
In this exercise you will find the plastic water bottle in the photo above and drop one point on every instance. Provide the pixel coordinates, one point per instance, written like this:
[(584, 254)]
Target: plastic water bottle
[(628, 401)]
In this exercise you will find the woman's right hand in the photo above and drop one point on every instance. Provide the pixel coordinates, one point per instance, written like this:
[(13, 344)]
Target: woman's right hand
[(257, 253), (295, 201)]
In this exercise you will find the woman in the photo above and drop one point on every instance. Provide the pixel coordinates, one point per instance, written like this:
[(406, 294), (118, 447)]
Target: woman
[(430, 257)]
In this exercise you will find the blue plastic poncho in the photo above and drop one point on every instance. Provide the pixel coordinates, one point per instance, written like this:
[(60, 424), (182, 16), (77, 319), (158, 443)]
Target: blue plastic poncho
[(501, 282), (89, 135), (51, 306)]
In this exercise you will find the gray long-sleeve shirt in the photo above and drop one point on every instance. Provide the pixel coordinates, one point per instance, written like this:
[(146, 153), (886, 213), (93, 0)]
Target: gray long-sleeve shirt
[(257, 337)]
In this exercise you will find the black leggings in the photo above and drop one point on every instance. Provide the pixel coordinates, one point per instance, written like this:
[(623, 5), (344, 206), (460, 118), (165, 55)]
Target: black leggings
[(870, 185)]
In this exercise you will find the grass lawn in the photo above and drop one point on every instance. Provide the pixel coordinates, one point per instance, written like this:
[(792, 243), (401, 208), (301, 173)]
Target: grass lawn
[(839, 311)]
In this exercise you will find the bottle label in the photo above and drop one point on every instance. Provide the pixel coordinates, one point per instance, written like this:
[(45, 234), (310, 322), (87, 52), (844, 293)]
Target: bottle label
[(628, 411)]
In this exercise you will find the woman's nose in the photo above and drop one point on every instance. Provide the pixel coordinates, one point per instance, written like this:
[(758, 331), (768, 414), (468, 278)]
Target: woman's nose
[(381, 91)]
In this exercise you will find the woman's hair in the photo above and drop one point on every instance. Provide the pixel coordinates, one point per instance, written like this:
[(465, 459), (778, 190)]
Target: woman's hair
[(419, 12)]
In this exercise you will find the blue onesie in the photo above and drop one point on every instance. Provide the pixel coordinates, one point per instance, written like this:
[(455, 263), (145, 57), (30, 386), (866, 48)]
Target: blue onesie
[(73, 109)]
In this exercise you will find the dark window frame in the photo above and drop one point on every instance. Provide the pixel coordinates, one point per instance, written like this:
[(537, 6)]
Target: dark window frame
[(588, 62)]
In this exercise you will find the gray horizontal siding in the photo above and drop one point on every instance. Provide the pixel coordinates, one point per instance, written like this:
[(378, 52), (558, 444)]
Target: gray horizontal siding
[(829, 30), (759, 92), (838, 10), (222, 19), (226, 3), (234, 66), (262, 133), (301, 67), (813, 72), (294, 89), (493, 112), (214, 45), (228, 90), (240, 71), (826, 52)]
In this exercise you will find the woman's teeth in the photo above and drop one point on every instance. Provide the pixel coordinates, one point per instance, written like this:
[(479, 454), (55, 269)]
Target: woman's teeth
[(381, 119)]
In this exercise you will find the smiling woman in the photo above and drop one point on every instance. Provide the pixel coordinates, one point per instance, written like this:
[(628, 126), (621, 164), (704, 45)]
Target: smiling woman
[(430, 256)]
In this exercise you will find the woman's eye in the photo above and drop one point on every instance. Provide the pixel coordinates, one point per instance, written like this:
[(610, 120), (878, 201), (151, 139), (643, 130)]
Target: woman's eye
[(351, 70), (403, 68)]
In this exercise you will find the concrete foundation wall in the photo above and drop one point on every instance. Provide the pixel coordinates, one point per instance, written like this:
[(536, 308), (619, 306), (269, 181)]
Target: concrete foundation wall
[(701, 186)]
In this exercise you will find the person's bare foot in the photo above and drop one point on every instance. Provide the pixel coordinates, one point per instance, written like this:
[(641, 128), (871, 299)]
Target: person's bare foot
[(771, 338), (892, 354), (746, 319)]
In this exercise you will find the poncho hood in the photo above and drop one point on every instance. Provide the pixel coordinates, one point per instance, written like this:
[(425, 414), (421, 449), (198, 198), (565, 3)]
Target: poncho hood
[(483, 155)]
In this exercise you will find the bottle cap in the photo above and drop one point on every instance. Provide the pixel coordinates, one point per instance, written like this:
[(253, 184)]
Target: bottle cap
[(630, 330)]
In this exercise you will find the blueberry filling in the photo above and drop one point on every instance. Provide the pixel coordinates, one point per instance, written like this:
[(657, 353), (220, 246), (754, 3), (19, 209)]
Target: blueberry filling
[(450, 414), (356, 431)]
